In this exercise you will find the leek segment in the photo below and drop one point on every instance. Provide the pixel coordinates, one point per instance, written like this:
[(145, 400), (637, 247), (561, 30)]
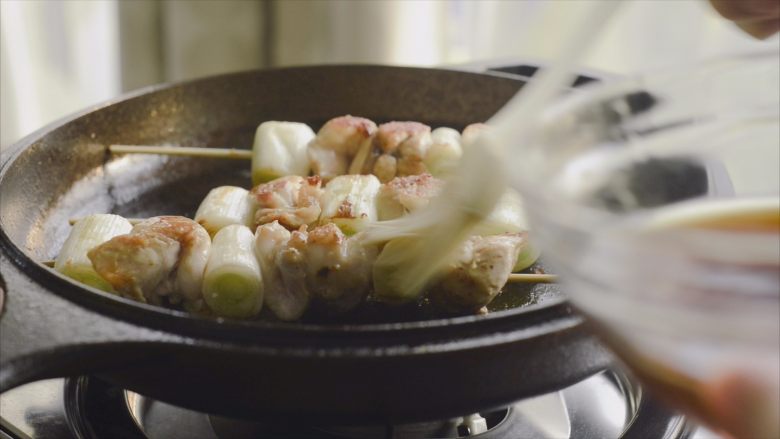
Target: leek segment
[(527, 256), (350, 202), (232, 283), (223, 206), (389, 266), (280, 148), (85, 235), (445, 151), (507, 217)]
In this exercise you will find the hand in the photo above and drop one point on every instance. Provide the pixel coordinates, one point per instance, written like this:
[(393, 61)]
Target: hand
[(759, 18)]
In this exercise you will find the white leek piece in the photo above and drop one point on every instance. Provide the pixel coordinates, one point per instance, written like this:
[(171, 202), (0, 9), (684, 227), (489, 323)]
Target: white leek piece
[(527, 256), (223, 206), (85, 235), (350, 202), (281, 148), (471, 134), (444, 152), (233, 283), (388, 269), (507, 217)]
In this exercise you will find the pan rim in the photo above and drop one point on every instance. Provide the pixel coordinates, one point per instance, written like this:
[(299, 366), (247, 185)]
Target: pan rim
[(13, 150), (184, 323)]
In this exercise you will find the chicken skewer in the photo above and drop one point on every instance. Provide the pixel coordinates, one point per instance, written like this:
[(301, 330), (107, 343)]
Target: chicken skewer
[(352, 202), (346, 205), (345, 143), (349, 201), (172, 259)]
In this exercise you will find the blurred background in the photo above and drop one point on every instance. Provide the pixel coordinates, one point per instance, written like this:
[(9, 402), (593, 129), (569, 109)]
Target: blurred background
[(57, 57)]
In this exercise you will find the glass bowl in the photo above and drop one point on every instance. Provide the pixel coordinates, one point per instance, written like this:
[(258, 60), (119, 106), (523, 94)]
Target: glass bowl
[(657, 201)]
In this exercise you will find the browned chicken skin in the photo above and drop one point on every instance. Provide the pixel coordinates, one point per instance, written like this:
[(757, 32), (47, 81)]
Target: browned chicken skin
[(294, 201), (160, 256), (403, 195), (322, 264), (401, 148), (478, 272), (337, 143)]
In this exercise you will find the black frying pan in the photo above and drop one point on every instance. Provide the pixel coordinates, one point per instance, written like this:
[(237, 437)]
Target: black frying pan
[(327, 372)]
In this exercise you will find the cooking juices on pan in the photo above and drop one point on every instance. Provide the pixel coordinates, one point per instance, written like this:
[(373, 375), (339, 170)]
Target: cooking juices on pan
[(295, 239)]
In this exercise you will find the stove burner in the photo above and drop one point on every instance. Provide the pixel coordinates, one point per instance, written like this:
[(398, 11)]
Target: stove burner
[(471, 426), (606, 405)]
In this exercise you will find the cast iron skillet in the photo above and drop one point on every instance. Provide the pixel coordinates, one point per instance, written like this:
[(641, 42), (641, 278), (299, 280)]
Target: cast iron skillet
[(391, 372)]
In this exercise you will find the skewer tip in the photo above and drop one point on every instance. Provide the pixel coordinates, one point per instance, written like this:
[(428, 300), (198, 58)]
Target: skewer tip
[(532, 278)]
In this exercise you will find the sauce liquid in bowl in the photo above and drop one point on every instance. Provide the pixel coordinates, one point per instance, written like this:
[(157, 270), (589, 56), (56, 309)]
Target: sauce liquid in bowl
[(737, 401), (730, 215)]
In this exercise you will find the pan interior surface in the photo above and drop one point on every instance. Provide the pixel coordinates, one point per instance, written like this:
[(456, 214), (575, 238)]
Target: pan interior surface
[(64, 172)]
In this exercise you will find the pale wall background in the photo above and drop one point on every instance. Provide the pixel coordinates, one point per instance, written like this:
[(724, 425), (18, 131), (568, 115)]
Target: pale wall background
[(57, 57)]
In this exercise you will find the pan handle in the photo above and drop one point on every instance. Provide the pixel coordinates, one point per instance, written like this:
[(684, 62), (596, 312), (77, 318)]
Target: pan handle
[(43, 335)]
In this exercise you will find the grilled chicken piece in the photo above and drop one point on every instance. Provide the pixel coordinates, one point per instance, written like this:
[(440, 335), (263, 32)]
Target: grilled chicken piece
[(444, 153), (403, 195), (339, 268), (164, 255), (385, 167), (322, 264), (337, 143), (400, 148), (293, 301), (293, 201), (480, 269), (409, 138), (270, 243)]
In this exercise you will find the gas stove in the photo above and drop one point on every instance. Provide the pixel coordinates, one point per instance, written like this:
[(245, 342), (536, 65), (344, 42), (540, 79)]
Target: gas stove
[(607, 405)]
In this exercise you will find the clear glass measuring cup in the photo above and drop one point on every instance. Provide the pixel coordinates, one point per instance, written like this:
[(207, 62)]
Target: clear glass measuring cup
[(657, 200)]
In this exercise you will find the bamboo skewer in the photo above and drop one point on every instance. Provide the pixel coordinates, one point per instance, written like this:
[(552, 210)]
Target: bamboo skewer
[(219, 153), (532, 278), (132, 221), (513, 278)]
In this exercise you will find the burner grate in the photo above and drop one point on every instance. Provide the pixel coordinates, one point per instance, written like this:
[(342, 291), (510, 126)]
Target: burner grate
[(603, 406)]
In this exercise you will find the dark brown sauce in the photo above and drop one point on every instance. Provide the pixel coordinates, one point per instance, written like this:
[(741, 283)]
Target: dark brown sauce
[(734, 403), (737, 216), (743, 222)]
